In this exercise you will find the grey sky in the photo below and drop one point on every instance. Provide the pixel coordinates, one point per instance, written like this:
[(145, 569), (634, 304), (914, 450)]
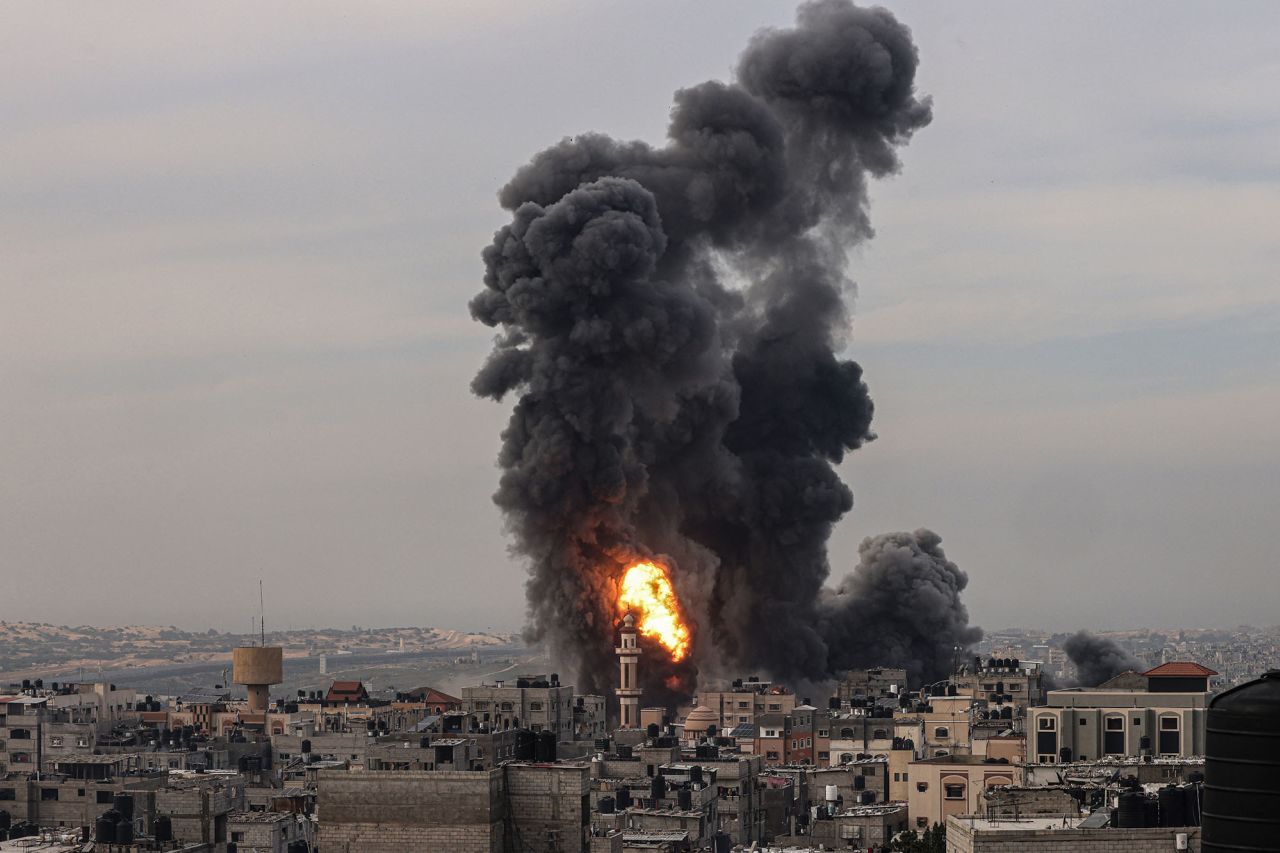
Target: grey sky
[(237, 241)]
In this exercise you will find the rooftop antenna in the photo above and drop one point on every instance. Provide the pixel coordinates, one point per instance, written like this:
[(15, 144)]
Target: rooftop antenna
[(262, 614)]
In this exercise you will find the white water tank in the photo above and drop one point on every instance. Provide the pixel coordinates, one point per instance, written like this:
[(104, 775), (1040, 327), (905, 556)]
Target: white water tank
[(833, 793)]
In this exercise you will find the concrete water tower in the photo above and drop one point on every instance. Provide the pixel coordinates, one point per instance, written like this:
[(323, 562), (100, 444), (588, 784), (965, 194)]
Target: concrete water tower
[(257, 668)]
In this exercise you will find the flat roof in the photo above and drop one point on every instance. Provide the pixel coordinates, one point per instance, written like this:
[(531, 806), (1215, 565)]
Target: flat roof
[(1022, 824)]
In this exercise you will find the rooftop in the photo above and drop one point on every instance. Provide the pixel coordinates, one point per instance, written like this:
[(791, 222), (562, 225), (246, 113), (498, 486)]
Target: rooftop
[(1180, 669)]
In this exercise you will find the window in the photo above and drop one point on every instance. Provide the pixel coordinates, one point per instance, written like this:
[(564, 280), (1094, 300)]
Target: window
[(1048, 724), (1137, 721), (846, 733), (742, 706), (922, 786), (953, 791), (897, 777), (82, 742), (237, 837), (48, 794), (942, 732), (535, 706), (506, 706), (922, 823), (771, 755), (8, 794), (1083, 721), (55, 740), (824, 756), (104, 798), (1170, 736), (846, 757), (742, 719), (482, 706), (1113, 736), (879, 734)]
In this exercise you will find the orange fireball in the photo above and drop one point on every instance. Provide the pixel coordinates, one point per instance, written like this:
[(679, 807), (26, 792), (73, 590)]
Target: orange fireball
[(646, 591)]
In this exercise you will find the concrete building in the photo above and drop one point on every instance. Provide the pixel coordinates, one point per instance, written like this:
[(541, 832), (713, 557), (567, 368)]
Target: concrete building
[(745, 702), (536, 808), (953, 785), (1061, 835), (1002, 681), (269, 832), (880, 682), (535, 702), (1080, 724)]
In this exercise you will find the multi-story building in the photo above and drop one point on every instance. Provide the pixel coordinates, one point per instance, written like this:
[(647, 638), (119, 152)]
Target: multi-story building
[(535, 703), (1002, 681), (1165, 720), (880, 682), (953, 785), (746, 701)]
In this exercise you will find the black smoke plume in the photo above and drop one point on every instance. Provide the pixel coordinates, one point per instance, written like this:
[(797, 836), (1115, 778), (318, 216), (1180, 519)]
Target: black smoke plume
[(671, 319), (1097, 659), (901, 604)]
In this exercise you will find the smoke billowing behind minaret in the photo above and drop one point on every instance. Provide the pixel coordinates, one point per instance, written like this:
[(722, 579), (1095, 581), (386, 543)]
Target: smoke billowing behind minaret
[(671, 322)]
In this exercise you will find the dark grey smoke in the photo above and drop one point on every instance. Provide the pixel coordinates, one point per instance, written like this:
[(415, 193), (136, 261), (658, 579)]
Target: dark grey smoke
[(1097, 659), (901, 604), (672, 320)]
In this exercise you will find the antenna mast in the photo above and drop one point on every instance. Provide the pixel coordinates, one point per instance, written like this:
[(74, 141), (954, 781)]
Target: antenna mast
[(262, 614)]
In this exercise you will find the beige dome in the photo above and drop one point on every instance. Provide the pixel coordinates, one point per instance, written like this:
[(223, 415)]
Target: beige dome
[(700, 719)]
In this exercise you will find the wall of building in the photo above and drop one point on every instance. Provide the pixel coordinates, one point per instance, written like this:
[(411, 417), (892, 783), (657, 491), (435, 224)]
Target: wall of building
[(389, 812), (1153, 840), (549, 807)]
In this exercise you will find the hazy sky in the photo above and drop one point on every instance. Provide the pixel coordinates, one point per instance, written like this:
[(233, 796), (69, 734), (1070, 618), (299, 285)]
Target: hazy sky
[(237, 241)]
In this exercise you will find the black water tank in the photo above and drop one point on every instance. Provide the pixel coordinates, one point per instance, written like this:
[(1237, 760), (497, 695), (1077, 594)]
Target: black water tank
[(657, 786), (653, 730), (1131, 813), (623, 798), (859, 782), (162, 828), (624, 751), (306, 746), (1191, 802), (124, 832), (606, 805), (866, 798), (123, 803), (1173, 806), (695, 773), (1151, 811), (602, 744), (104, 831), (684, 799), (6, 820), (1242, 768), (544, 748)]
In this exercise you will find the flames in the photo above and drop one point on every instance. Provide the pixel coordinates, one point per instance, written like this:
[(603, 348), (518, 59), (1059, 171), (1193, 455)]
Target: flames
[(646, 591)]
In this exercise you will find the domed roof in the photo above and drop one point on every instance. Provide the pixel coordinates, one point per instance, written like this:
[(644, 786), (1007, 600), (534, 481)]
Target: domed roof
[(700, 719)]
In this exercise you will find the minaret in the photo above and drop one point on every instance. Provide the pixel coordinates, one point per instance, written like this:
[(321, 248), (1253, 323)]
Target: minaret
[(628, 663)]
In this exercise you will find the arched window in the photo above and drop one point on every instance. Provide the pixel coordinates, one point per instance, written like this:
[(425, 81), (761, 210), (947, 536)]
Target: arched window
[(879, 734), (941, 732), (846, 732), (845, 758)]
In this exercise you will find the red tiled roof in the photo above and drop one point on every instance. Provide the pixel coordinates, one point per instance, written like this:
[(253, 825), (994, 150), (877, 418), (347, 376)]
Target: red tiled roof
[(1180, 669), (431, 696), (346, 686)]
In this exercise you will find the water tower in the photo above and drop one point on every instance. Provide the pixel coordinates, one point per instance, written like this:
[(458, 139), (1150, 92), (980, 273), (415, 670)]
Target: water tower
[(257, 668)]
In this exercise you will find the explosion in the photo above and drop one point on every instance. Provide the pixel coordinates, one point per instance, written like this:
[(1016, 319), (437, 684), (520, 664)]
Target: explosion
[(646, 591)]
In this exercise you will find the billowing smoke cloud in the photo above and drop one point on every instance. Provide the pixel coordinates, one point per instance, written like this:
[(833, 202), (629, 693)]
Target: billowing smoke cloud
[(1097, 659), (901, 604), (671, 320)]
